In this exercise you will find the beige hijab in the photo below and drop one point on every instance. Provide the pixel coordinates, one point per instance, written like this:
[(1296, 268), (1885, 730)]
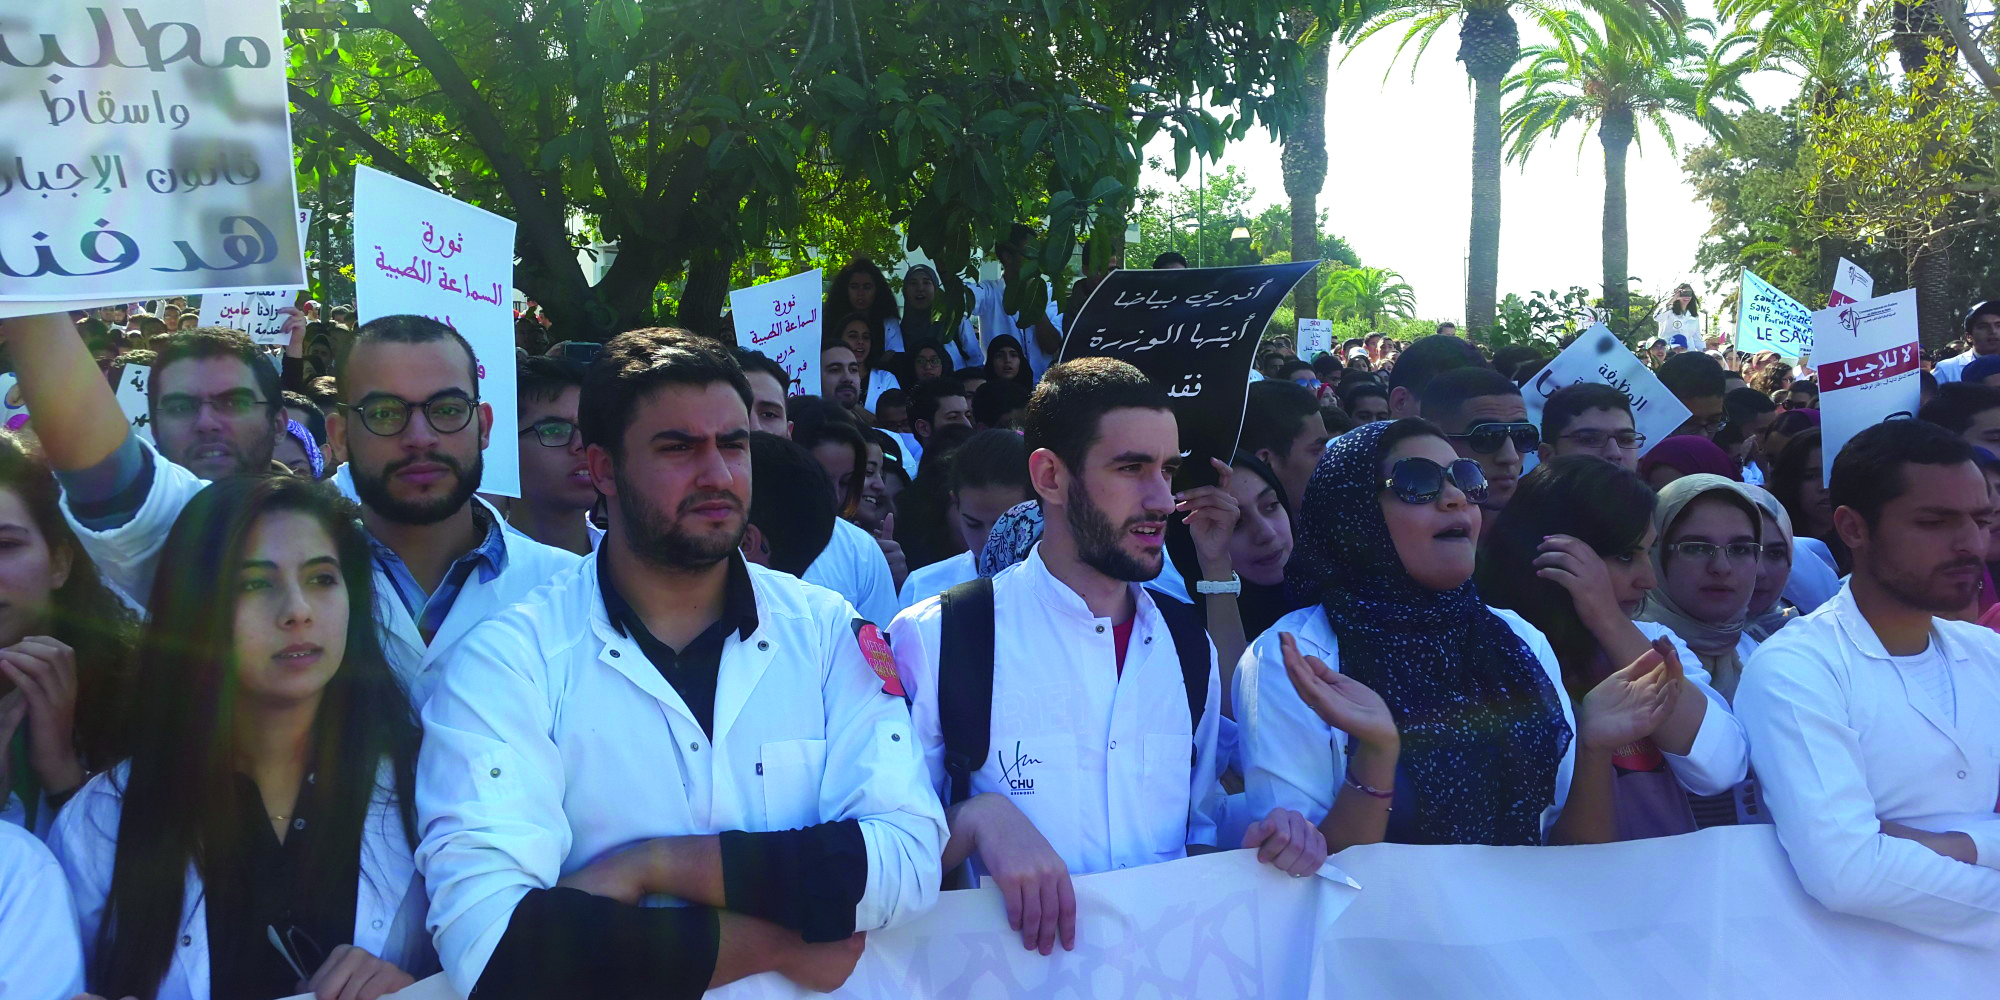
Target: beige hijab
[(1713, 644)]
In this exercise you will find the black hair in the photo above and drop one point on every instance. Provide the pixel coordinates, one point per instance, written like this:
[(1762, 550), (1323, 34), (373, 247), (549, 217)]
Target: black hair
[(1286, 370), (1447, 394), (835, 337), (1273, 416), (407, 329), (543, 379), (796, 519), (1169, 258), (1508, 360), (179, 803), (1788, 474), (838, 304), (1335, 419), (924, 399), (816, 421), (1868, 472), (1601, 504), (205, 342), (1572, 401), (1400, 431), (1691, 375), (1792, 422), (892, 397), (991, 458), (636, 363), (920, 511), (1807, 384), (324, 391), (1957, 403), (1429, 357), (994, 399), (754, 361), (1072, 399), (1742, 405), (315, 419)]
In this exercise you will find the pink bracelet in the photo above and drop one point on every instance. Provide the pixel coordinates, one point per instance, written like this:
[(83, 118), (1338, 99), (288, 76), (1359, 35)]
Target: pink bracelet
[(1374, 792)]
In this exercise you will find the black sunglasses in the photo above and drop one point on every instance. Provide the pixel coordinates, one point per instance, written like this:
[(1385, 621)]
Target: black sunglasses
[(1421, 481), (1487, 438)]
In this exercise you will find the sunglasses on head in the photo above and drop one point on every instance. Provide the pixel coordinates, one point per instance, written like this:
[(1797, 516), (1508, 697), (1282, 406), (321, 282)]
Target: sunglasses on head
[(1421, 481), (1487, 438)]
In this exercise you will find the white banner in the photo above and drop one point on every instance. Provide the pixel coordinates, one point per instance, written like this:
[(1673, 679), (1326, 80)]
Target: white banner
[(1850, 284), (1598, 356), (1770, 320), (149, 152), (418, 251), (254, 313), (780, 320), (1316, 338), (1867, 360)]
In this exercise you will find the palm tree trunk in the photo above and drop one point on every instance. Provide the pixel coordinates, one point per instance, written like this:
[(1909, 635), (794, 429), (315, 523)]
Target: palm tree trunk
[(1303, 158), (1489, 44), (1615, 132), (1915, 26)]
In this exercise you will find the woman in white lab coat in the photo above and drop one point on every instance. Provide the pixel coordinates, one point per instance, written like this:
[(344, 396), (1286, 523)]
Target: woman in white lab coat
[(258, 840)]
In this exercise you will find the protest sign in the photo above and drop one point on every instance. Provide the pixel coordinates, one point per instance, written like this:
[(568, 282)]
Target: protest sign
[(1194, 331), (131, 394), (780, 320), (1770, 320), (1850, 284), (255, 313), (418, 251), (151, 152), (1867, 360), (1598, 356), (1316, 338)]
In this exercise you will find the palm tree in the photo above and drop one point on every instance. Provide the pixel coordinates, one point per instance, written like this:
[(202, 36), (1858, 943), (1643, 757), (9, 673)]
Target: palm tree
[(1367, 293), (1303, 155), (1489, 44), (1615, 79)]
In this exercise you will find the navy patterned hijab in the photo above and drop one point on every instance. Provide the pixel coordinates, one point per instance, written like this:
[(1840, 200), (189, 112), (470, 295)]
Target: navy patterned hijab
[(1482, 728)]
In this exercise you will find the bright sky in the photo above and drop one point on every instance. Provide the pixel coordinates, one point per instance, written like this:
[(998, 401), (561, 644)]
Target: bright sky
[(1398, 184)]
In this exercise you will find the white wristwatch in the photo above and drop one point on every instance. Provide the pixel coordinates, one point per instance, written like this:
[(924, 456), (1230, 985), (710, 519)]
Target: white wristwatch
[(1232, 586)]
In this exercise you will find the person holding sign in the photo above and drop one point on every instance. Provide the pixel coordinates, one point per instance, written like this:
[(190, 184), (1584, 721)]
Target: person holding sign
[(1982, 328)]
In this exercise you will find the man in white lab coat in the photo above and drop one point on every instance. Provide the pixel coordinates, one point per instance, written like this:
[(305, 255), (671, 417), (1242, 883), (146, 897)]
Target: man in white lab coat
[(668, 724), (1095, 761), (1874, 725), (411, 424)]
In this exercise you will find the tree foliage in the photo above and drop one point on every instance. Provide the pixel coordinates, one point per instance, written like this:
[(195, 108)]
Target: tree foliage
[(1366, 293)]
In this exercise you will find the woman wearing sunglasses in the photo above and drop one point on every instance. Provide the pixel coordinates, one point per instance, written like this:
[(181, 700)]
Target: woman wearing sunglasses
[(257, 841), (1572, 555), (1451, 712)]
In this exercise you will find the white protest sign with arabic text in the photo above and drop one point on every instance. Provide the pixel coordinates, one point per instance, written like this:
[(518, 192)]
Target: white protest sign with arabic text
[(1770, 320), (149, 152), (1316, 338), (417, 251), (780, 320), (1598, 356), (131, 393), (1867, 359), (254, 313), (1850, 284)]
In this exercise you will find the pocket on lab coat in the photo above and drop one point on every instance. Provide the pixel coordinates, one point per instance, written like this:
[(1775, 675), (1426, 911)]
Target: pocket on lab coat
[(1169, 771), (792, 774)]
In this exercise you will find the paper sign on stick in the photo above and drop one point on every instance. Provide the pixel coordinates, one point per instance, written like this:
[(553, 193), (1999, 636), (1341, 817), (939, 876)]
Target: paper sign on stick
[(1598, 356), (149, 152), (780, 320), (254, 313), (1850, 284), (417, 251), (1770, 320), (1316, 338), (1867, 358)]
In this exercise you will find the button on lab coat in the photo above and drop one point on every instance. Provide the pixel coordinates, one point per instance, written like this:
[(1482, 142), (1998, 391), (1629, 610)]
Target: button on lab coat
[(553, 741), (388, 905), (1843, 741), (1108, 766)]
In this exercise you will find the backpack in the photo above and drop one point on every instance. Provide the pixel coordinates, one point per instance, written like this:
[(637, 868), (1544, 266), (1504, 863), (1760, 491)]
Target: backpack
[(965, 674)]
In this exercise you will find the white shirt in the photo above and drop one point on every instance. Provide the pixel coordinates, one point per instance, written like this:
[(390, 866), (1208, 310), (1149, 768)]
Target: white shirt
[(1293, 759), (1814, 581), (926, 582), (853, 566), (879, 382), (554, 741), (1843, 740), (963, 348), (994, 320), (388, 906), (39, 952), (1952, 369), (1107, 765)]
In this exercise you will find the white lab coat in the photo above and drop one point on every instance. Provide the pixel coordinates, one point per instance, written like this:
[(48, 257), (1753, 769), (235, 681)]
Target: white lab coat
[(388, 904), (1843, 742), (988, 299), (1814, 581), (853, 566), (930, 581), (1291, 758), (963, 348), (1107, 765), (129, 553), (1952, 369), (40, 956), (553, 741)]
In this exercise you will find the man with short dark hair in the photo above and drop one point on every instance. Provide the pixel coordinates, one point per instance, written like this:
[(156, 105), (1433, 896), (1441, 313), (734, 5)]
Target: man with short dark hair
[(1447, 329), (1426, 359), (1871, 719), (1982, 329), (938, 403), (1283, 428), (1096, 760), (769, 386), (1170, 261), (1969, 410), (556, 491), (1696, 380), (840, 375), (788, 527), (1366, 402), (999, 404), (855, 564), (1803, 395), (668, 720), (1590, 418), (1483, 415)]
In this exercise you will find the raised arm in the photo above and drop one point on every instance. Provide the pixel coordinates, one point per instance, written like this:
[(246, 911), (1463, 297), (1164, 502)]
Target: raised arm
[(75, 414)]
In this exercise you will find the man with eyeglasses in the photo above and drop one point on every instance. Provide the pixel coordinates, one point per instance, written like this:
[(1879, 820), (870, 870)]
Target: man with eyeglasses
[(1696, 380), (1590, 418), (1484, 417), (556, 491)]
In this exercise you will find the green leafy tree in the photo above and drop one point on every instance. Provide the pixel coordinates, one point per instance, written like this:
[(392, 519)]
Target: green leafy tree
[(1616, 80), (1366, 293)]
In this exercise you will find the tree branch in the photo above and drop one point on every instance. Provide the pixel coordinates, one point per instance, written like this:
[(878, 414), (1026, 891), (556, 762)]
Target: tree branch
[(1952, 13), (381, 155)]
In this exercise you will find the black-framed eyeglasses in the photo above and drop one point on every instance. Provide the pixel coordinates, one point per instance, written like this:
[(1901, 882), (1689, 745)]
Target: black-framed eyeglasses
[(234, 403), (1734, 551), (1486, 438), (1421, 481), (385, 416), (552, 432), (1627, 440)]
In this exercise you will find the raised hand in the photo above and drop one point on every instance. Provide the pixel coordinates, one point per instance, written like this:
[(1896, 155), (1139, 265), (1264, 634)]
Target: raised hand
[(1211, 518), (1567, 561), (1340, 701)]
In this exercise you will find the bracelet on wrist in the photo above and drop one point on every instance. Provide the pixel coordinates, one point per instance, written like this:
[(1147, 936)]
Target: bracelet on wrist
[(1377, 793)]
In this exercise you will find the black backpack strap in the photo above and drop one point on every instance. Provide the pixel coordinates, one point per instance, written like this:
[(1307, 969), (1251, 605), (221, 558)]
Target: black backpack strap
[(1191, 642), (965, 681)]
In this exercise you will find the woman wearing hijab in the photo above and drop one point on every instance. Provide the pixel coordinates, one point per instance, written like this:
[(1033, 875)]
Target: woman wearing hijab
[(1706, 552), (1452, 712), (1787, 586), (1007, 362), (1686, 455), (1571, 555)]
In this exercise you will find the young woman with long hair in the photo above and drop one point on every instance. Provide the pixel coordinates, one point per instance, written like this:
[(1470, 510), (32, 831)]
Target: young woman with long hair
[(257, 842), (861, 287), (863, 336)]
